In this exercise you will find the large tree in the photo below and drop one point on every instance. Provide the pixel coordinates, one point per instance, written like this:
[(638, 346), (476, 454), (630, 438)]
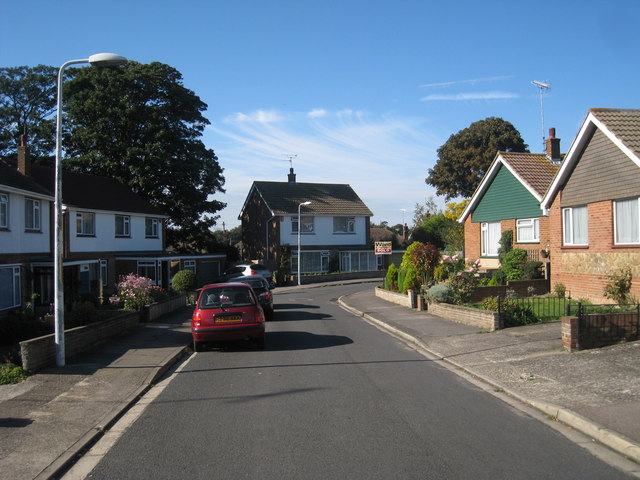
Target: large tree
[(27, 107), (465, 157), (139, 124)]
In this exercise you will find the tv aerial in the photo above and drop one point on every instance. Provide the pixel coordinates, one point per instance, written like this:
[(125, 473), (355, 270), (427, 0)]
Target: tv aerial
[(291, 157), (542, 86)]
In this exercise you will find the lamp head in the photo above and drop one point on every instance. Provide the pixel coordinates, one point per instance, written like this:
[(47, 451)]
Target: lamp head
[(106, 60)]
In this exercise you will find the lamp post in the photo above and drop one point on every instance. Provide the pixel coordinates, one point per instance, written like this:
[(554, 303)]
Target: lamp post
[(299, 254), (99, 59)]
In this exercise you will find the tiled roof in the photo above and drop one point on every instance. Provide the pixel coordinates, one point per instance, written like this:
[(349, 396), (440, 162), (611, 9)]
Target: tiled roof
[(623, 123), (10, 177), (326, 198), (533, 168), (83, 190)]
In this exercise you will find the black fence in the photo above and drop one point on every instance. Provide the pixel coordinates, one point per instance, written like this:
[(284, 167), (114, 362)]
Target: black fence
[(516, 311), (600, 325)]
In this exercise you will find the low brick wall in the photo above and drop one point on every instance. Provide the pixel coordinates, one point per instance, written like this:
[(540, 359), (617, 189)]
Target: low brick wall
[(394, 297), (469, 316), (40, 352), (598, 330), (336, 277), (156, 310), (521, 287)]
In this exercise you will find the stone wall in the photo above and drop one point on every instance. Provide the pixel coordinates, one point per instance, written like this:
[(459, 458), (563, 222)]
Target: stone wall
[(40, 352)]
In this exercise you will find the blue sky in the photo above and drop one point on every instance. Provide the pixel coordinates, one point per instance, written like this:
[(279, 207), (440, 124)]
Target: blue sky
[(363, 92)]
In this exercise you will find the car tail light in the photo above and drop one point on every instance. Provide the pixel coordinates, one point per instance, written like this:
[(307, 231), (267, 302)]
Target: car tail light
[(253, 272), (265, 296)]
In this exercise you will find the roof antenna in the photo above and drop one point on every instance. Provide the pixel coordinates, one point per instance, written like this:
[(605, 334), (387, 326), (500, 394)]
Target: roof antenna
[(542, 86), (291, 157)]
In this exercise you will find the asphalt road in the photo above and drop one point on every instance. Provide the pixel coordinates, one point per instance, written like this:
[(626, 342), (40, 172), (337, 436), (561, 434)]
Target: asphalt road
[(333, 397)]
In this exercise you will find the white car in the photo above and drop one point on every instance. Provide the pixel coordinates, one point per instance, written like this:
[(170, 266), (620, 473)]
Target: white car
[(247, 270)]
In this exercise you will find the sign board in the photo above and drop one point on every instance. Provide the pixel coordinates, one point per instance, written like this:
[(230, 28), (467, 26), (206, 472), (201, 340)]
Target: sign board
[(383, 248)]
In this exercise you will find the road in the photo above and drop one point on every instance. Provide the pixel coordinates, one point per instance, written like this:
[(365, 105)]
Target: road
[(333, 397)]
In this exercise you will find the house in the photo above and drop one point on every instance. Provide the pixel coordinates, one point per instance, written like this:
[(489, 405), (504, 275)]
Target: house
[(107, 232), (508, 198), (594, 205), (334, 226), (25, 208)]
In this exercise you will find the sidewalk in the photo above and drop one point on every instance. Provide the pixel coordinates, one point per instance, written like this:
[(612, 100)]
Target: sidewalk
[(46, 421), (594, 391)]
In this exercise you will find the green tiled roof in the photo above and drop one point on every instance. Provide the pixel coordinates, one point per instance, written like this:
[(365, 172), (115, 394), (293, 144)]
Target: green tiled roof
[(326, 198)]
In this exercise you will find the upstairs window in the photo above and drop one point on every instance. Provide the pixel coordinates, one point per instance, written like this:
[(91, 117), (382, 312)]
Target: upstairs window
[(344, 224), (85, 224), (528, 230), (306, 222), (31, 214), (123, 226), (627, 221), (575, 226), (4, 210), (151, 228)]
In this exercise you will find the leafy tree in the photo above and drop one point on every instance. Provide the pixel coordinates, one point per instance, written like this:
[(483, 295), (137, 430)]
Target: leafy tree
[(139, 124), (454, 209), (465, 157), (27, 107), (423, 210)]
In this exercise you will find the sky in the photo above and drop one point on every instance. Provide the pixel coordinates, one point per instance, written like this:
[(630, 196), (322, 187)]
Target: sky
[(361, 92)]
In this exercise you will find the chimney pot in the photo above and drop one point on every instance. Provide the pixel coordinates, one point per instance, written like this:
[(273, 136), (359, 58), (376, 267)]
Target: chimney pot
[(553, 146), (292, 176)]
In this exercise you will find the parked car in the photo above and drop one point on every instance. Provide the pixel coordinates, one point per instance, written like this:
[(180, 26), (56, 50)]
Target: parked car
[(226, 312), (262, 288), (247, 270)]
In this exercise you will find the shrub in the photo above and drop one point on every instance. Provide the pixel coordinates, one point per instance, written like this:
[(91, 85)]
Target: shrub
[(10, 373), (184, 281), (462, 287), (440, 292), (391, 278), (513, 263), (441, 273), (134, 291), (531, 270), (513, 314), (498, 278), (619, 286), (560, 290), (506, 244)]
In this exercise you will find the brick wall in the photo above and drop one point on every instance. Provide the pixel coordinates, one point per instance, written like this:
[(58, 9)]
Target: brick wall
[(598, 330), (471, 239), (394, 297), (466, 315)]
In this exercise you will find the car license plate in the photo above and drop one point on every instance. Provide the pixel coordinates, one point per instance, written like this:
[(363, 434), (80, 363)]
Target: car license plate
[(228, 318)]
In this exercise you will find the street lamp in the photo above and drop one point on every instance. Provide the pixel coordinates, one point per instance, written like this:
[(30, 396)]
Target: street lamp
[(299, 255), (99, 59)]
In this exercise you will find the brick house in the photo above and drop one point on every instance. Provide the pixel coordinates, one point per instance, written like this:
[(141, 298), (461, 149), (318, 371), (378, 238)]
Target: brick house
[(594, 205), (508, 198), (333, 227)]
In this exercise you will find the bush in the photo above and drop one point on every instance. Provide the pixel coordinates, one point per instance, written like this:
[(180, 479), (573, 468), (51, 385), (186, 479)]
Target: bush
[(513, 263), (440, 292), (462, 288), (619, 286), (10, 373), (184, 281), (134, 291), (506, 244), (513, 314), (391, 278), (441, 273), (498, 278), (560, 290), (531, 270)]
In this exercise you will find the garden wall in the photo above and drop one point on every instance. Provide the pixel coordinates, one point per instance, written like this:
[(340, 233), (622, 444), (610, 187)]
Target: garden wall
[(156, 310), (521, 287), (469, 316), (401, 299), (597, 330), (336, 277), (40, 352)]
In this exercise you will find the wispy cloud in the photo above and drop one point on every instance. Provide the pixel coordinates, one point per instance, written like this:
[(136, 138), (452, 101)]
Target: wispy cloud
[(472, 81), (383, 157), (456, 97), (259, 116)]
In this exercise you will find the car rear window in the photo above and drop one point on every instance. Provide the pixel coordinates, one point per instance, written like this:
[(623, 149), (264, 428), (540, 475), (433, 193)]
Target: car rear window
[(258, 267), (232, 296)]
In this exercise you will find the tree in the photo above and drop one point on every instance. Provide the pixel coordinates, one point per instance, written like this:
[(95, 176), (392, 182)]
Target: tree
[(465, 157), (138, 124), (27, 107)]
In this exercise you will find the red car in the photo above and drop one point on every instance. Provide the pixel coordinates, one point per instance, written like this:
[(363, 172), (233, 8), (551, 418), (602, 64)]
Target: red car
[(226, 312)]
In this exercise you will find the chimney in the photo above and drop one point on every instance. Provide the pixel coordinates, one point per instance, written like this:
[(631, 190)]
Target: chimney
[(291, 176), (24, 162), (553, 146)]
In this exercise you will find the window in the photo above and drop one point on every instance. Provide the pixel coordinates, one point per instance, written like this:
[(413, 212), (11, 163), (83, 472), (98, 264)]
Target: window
[(9, 287), (103, 272), (490, 238), (85, 223), (151, 227), (307, 224), (358, 262), (189, 265), (575, 226), (149, 269), (528, 230), (122, 226), (31, 214), (344, 224), (627, 221), (4, 210)]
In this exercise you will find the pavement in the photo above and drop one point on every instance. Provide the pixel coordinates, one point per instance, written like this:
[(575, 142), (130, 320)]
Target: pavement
[(48, 421)]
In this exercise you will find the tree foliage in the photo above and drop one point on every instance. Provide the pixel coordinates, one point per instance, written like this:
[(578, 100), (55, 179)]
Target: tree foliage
[(139, 124), (465, 157), (27, 107)]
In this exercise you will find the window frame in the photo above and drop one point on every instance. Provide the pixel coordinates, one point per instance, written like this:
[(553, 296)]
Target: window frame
[(104, 272), (84, 219), (126, 226), (533, 223), (569, 240), (16, 285), (304, 220), (151, 227), (33, 224), (615, 221), (189, 265), (4, 211), (349, 225)]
